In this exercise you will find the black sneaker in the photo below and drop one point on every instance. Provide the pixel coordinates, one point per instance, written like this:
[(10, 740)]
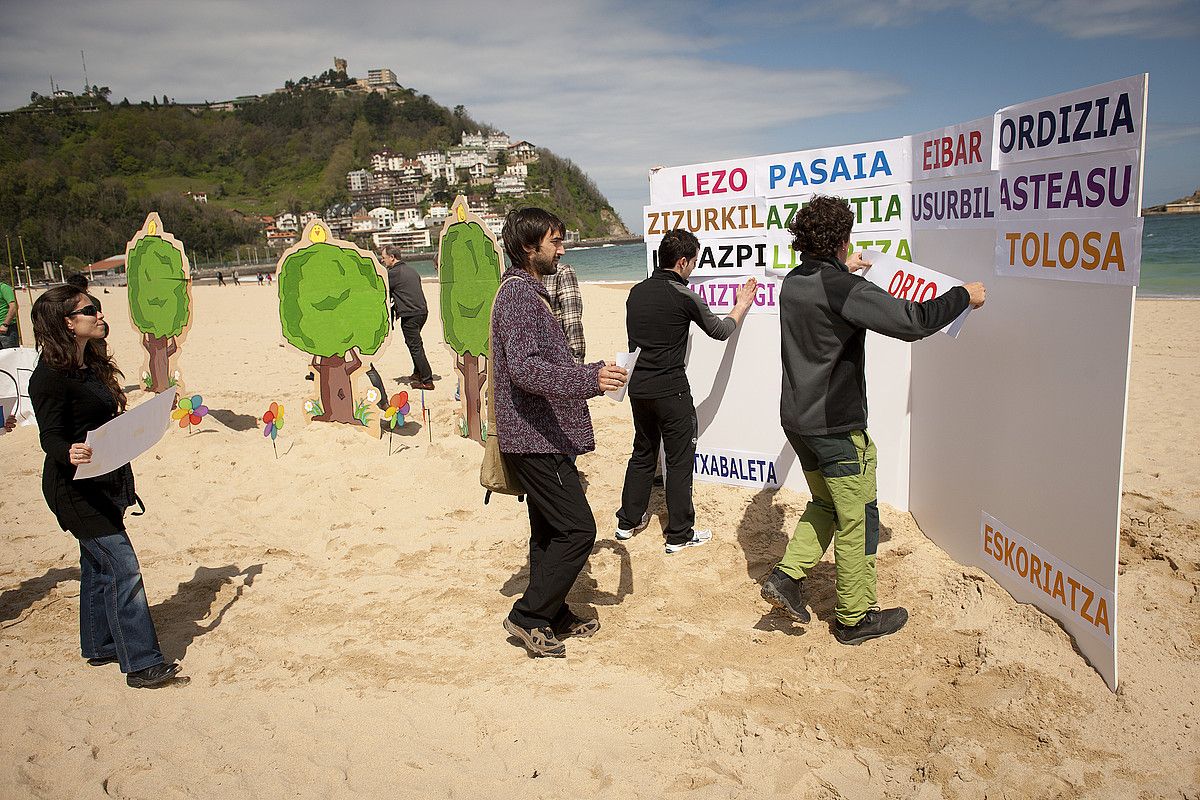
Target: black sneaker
[(876, 623), (784, 592), (538, 641), (151, 677), (100, 661)]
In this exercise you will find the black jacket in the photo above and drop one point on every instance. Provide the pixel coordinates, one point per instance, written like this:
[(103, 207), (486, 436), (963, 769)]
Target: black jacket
[(404, 284), (825, 312), (68, 404), (658, 314)]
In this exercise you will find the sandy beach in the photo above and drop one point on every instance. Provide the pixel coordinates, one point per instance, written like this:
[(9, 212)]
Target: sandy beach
[(338, 613)]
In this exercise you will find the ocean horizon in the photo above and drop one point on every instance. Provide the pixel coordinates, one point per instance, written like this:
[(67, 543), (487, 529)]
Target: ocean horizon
[(1170, 259)]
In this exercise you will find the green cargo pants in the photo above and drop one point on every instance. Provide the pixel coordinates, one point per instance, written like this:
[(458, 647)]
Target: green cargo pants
[(840, 470)]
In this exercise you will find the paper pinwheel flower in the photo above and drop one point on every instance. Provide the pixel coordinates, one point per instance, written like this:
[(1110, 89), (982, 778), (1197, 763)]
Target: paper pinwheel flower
[(397, 408), (273, 421), (190, 410)]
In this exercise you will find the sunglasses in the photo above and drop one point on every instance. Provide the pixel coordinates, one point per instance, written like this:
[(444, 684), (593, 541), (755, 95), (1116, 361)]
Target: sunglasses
[(87, 311)]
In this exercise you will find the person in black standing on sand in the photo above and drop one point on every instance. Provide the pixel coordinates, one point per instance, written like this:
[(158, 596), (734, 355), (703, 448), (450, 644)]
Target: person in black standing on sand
[(220, 278), (409, 306), (74, 389)]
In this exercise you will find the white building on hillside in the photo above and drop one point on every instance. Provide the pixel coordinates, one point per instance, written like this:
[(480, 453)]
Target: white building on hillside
[(522, 152), (410, 239), (287, 221), (358, 180), (509, 184), (475, 139), (497, 141), (431, 158), (384, 217)]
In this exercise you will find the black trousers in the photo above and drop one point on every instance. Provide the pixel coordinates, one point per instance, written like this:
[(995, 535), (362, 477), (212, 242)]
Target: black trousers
[(411, 327), (672, 421), (562, 532)]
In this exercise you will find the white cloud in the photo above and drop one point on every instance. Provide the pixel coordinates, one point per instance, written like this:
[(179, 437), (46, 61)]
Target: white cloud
[(1076, 19), (615, 87)]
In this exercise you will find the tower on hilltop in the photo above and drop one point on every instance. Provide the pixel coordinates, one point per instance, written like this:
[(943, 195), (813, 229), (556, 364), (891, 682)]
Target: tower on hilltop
[(339, 66)]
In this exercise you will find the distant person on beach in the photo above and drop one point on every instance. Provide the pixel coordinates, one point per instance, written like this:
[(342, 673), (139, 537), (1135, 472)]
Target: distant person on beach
[(543, 423), (220, 278), (409, 306), (566, 301), (9, 334), (236, 282), (825, 311), (75, 389), (260, 278), (659, 312)]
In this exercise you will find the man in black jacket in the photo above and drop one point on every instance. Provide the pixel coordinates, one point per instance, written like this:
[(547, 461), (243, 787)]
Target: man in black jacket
[(825, 312), (658, 314), (409, 306)]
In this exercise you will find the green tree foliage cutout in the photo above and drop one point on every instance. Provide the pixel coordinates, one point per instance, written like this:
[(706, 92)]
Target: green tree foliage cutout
[(469, 268), (333, 305), (158, 297)]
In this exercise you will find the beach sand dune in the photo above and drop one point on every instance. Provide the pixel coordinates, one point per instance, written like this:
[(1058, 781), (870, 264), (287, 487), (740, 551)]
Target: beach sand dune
[(338, 612)]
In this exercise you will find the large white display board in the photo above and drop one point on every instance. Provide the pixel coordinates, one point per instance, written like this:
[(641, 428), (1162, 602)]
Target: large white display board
[(1007, 443)]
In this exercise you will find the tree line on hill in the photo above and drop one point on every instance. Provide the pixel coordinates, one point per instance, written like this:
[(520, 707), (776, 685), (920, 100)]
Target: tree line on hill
[(78, 183)]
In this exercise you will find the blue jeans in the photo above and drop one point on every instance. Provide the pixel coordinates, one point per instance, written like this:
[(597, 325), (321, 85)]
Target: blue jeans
[(114, 618)]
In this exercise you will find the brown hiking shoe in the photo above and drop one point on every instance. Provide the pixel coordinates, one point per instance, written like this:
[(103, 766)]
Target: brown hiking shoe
[(538, 641), (577, 626)]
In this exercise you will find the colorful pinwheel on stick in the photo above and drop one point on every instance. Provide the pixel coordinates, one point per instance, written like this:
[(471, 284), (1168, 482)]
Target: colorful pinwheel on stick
[(398, 408), (189, 411), (273, 423)]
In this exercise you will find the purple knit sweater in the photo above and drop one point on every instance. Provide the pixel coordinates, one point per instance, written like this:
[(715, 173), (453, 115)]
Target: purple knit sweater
[(541, 394)]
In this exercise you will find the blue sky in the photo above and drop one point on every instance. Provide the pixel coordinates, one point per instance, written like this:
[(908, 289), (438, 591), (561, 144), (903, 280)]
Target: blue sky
[(621, 86)]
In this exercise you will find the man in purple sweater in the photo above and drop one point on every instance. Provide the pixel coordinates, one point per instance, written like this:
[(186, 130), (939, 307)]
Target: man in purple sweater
[(543, 423)]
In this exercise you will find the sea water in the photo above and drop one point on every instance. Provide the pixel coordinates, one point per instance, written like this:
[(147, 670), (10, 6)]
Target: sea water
[(1170, 259)]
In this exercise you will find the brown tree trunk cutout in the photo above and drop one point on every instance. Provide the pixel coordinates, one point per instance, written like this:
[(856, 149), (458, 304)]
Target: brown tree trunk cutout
[(160, 348), (337, 395), (473, 379)]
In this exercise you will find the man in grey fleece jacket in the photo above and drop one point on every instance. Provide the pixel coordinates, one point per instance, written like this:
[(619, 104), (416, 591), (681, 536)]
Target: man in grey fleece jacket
[(825, 312)]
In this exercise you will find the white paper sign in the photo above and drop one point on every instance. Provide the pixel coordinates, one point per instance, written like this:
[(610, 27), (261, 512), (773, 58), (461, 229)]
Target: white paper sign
[(834, 170), (720, 257), (628, 361), (1085, 250), (718, 219), (16, 367), (908, 281), (755, 470), (875, 208), (1033, 575), (696, 182), (1110, 116), (121, 440), (968, 201), (963, 149), (720, 294), (1094, 185)]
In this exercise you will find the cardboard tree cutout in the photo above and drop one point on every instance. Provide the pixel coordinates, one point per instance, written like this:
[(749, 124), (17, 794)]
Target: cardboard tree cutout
[(160, 300), (333, 306), (469, 267)]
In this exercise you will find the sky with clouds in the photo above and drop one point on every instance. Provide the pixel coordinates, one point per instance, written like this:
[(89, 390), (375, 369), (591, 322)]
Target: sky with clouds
[(621, 86)]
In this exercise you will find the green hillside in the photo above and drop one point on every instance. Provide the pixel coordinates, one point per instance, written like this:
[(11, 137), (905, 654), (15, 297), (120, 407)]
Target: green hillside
[(76, 180)]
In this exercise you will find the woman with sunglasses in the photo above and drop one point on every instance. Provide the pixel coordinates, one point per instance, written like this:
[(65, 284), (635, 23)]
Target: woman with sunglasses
[(74, 389)]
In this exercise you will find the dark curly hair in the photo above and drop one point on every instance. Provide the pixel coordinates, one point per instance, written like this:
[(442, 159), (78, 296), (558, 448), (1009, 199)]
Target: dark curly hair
[(822, 226)]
